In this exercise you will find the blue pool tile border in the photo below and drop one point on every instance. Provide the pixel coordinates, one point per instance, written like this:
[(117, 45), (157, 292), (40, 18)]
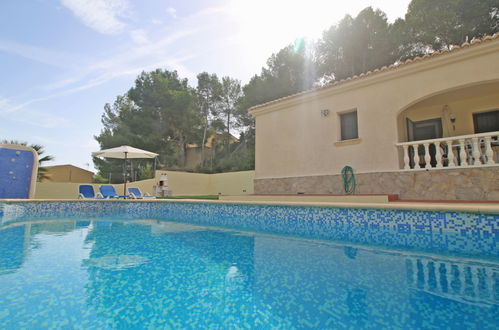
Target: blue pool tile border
[(467, 233)]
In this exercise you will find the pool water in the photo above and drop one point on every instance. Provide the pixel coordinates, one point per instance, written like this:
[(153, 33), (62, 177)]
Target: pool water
[(143, 273)]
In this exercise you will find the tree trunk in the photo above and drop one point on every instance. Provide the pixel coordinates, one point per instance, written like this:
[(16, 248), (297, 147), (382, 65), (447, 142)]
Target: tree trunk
[(204, 137), (228, 133), (181, 151)]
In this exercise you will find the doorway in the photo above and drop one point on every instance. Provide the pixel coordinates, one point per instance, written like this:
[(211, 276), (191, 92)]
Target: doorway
[(424, 130)]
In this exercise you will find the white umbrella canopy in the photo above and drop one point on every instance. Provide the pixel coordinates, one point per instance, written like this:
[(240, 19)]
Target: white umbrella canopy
[(124, 152)]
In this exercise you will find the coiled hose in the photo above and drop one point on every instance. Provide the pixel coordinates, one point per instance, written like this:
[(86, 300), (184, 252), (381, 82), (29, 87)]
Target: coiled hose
[(348, 180)]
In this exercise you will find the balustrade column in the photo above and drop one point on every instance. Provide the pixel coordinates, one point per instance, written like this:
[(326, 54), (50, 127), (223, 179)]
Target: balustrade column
[(462, 152), (427, 158), (407, 165), (415, 156), (443, 278), (450, 153), (488, 151), (476, 151), (438, 155)]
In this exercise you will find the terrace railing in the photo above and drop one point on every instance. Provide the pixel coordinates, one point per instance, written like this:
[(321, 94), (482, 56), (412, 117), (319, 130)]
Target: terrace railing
[(474, 150)]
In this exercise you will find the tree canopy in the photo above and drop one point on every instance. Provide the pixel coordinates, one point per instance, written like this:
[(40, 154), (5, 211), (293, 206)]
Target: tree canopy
[(356, 45), (440, 24), (163, 114)]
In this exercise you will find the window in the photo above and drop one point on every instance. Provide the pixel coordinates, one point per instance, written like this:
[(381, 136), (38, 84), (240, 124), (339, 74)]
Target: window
[(349, 128), (486, 121)]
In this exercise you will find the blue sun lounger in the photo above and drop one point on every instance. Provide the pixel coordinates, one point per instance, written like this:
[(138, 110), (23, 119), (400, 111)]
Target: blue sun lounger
[(87, 191), (108, 191), (137, 194)]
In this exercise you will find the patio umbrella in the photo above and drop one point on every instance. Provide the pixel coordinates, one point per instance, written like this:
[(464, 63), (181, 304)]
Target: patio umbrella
[(124, 152)]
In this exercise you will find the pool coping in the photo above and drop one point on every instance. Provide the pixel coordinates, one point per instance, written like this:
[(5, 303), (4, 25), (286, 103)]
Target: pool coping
[(486, 208)]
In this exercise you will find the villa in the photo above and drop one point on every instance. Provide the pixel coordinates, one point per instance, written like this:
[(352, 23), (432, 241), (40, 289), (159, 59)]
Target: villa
[(373, 203), (425, 129)]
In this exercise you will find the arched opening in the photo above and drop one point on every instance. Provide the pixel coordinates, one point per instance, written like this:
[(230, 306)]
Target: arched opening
[(452, 124)]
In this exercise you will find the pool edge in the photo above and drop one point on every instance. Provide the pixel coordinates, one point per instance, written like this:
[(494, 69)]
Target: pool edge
[(492, 208)]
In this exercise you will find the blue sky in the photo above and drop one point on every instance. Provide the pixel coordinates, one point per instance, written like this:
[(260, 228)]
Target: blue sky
[(62, 60)]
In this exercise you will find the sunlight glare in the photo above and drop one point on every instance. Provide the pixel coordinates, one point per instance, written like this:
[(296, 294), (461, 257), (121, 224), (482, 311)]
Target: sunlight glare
[(284, 19)]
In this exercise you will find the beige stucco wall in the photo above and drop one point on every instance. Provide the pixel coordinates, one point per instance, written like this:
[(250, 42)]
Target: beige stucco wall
[(293, 138), (184, 183), (180, 183), (233, 183)]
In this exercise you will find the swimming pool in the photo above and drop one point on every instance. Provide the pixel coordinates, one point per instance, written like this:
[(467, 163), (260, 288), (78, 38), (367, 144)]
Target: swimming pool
[(150, 264)]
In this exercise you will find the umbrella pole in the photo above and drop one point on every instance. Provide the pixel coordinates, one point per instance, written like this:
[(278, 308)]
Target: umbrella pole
[(124, 176)]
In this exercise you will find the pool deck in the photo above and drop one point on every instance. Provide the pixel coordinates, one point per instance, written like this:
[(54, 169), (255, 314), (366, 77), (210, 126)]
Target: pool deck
[(449, 206)]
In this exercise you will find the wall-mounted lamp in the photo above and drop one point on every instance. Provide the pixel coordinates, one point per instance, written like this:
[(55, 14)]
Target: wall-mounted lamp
[(325, 112), (452, 118)]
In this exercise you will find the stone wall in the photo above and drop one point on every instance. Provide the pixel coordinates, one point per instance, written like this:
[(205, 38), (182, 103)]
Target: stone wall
[(446, 184)]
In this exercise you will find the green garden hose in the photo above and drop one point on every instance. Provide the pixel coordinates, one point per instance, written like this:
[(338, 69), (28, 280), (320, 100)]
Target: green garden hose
[(348, 180)]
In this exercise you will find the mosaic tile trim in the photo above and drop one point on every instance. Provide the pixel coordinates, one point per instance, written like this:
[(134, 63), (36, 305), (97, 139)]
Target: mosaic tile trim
[(456, 232)]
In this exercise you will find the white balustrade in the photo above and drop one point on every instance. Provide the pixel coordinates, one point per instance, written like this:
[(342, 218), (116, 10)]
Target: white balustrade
[(454, 151), (473, 283)]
